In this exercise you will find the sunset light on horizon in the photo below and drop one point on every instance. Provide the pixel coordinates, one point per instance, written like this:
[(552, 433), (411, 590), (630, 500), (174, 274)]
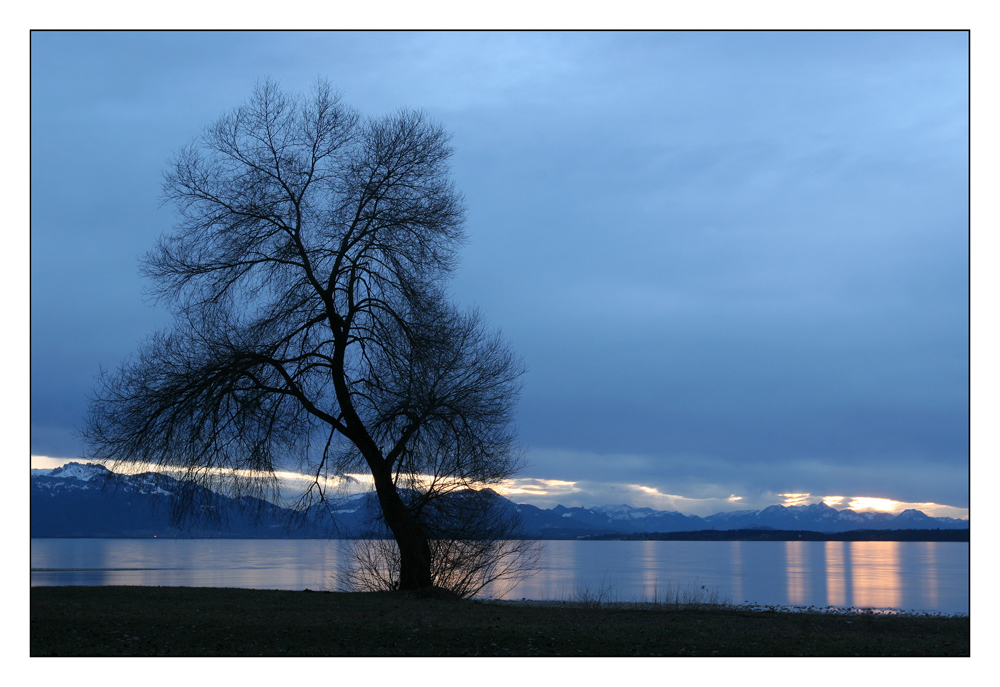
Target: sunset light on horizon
[(547, 493)]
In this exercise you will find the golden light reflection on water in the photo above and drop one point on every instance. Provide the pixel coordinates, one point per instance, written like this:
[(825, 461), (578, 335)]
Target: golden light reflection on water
[(928, 566), (859, 574), (875, 574), (836, 578), (797, 572), (878, 575)]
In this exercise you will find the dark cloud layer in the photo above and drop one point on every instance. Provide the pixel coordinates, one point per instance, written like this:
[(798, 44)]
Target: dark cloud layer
[(740, 259)]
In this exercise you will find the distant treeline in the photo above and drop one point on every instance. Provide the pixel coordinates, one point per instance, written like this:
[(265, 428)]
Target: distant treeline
[(790, 535)]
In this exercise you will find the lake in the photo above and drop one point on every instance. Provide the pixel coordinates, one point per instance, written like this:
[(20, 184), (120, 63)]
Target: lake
[(921, 576)]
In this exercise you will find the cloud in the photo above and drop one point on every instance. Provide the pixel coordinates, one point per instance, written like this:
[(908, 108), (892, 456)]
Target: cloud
[(734, 263), (548, 493), (691, 479), (587, 494)]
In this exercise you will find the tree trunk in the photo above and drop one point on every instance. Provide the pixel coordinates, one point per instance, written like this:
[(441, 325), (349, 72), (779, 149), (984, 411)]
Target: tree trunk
[(414, 550), (414, 559)]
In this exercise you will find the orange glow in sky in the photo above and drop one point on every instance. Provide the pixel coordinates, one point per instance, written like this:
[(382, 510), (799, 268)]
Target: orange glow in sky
[(865, 502), (795, 499), (535, 487)]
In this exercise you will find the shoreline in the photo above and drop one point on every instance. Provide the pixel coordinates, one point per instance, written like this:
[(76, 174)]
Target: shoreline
[(960, 535)]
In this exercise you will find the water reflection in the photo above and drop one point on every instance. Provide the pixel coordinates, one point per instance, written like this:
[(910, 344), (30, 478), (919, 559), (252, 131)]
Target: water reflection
[(928, 567), (252, 564), (647, 563), (736, 574), (836, 575), (875, 575), (797, 572), (930, 576), (859, 574), (878, 575)]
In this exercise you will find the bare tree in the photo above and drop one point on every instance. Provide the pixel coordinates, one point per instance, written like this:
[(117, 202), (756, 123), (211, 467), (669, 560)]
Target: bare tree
[(472, 537), (307, 278)]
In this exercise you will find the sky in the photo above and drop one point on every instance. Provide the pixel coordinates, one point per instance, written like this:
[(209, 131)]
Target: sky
[(736, 264)]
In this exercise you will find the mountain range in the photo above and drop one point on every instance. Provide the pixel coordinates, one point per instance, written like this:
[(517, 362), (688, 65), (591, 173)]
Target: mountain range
[(567, 523), (90, 501)]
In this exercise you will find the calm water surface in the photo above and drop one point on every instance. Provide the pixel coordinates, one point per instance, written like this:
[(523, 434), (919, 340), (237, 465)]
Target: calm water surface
[(924, 576)]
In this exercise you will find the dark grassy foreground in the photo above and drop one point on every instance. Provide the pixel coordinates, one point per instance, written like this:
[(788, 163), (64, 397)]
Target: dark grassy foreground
[(181, 621)]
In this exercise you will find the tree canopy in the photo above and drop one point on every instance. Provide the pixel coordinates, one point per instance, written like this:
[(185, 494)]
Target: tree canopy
[(307, 278)]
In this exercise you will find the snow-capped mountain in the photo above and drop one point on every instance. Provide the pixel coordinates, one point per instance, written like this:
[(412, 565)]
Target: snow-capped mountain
[(90, 501), (85, 473), (571, 522)]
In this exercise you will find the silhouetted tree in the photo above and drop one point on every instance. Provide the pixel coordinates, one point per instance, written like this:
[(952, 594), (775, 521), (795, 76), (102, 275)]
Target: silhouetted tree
[(307, 278), (470, 538)]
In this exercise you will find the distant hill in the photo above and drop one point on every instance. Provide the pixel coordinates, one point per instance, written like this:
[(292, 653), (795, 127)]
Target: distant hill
[(90, 501), (570, 523)]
